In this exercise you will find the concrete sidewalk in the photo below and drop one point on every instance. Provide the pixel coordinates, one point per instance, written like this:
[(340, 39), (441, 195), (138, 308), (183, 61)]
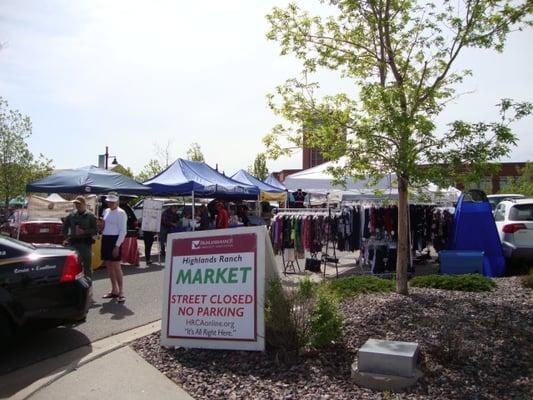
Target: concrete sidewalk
[(108, 368), (120, 375)]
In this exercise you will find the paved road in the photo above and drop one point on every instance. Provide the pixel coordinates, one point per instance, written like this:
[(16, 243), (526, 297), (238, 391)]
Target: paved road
[(143, 289)]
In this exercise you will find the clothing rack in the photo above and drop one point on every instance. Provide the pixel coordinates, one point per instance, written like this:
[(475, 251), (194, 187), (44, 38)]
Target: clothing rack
[(325, 257), (289, 264), (289, 211)]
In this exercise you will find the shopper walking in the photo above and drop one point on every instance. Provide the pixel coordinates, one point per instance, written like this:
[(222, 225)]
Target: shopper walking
[(114, 233), (148, 239), (169, 223)]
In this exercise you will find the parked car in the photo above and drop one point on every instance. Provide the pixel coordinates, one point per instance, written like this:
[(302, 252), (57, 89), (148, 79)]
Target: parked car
[(495, 199), (40, 230), (514, 220), (42, 282)]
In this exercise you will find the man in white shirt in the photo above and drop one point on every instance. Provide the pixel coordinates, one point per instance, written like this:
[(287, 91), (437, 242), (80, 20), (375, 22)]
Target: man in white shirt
[(114, 233)]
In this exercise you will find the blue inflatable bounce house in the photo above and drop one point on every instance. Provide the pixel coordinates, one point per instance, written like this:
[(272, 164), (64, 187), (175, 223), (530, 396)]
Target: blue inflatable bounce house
[(475, 230)]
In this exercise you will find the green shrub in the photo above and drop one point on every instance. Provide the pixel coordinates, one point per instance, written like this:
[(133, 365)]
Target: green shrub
[(355, 285), (464, 283), (527, 281), (298, 318), (325, 320), (281, 333), (306, 288)]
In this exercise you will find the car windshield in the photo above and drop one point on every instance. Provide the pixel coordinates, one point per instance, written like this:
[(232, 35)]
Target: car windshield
[(16, 243), (495, 200), (521, 212)]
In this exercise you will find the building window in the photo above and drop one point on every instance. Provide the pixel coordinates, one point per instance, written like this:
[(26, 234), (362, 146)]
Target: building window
[(485, 184), (316, 158), (506, 180)]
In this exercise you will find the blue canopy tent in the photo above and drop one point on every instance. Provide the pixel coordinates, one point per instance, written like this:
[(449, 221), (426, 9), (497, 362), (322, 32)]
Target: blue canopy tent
[(272, 181), (184, 177), (266, 192), (247, 178), (87, 180), (195, 178)]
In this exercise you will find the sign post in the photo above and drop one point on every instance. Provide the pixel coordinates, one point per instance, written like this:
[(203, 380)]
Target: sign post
[(214, 289)]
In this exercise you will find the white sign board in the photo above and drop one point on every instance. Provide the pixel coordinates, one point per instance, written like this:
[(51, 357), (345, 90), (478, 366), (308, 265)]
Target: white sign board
[(214, 289), (39, 207), (151, 219)]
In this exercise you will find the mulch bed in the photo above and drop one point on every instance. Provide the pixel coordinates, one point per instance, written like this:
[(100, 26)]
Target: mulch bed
[(473, 346)]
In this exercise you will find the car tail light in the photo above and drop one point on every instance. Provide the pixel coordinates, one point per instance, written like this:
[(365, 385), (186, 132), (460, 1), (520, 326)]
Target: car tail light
[(71, 268), (512, 228), (23, 229)]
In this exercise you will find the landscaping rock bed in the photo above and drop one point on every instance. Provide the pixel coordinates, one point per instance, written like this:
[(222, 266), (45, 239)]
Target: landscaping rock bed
[(473, 346)]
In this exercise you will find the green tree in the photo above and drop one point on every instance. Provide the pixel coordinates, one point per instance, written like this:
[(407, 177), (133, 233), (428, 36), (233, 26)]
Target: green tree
[(400, 56), (18, 166), (523, 184), (259, 168), (195, 153), (151, 169), (126, 171)]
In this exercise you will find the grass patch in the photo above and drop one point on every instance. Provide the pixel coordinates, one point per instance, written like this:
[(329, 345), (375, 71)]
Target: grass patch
[(355, 285), (464, 283)]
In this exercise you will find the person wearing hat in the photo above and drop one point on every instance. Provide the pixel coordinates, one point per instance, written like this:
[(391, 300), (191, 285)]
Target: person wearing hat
[(113, 234), (79, 227)]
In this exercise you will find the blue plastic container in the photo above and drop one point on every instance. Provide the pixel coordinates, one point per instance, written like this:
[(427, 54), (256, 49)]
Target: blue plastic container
[(457, 262)]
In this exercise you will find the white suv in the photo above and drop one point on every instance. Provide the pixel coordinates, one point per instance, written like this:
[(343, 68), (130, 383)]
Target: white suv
[(495, 199), (514, 220)]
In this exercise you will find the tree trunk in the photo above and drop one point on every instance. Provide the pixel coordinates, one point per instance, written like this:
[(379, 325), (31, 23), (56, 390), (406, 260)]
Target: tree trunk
[(403, 238)]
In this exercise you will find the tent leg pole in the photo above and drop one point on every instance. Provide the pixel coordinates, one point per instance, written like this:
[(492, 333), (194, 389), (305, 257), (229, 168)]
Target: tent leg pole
[(193, 220)]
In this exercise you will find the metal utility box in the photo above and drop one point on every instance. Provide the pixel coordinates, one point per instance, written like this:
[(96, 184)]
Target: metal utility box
[(456, 262)]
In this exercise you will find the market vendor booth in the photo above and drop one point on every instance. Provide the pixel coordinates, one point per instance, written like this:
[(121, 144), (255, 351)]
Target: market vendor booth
[(92, 180), (196, 179)]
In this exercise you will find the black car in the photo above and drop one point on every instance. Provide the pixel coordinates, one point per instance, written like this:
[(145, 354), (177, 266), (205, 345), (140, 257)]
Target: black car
[(40, 283)]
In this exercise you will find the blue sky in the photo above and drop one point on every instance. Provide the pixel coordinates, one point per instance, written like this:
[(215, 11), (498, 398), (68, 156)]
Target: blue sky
[(131, 75)]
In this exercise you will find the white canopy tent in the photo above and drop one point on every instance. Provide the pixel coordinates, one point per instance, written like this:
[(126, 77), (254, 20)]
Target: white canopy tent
[(54, 197), (319, 181)]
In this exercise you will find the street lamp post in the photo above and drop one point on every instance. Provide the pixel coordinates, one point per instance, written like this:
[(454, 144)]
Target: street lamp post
[(106, 158)]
